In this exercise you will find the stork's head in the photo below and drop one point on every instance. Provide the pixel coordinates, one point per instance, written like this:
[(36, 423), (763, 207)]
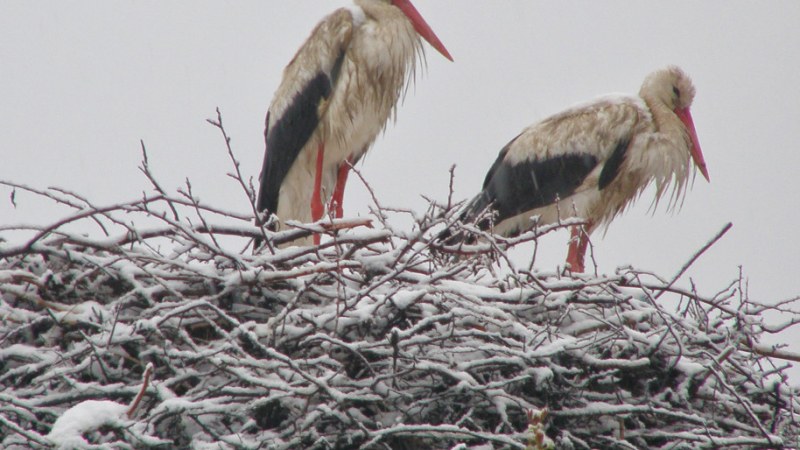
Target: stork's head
[(674, 89), (422, 27)]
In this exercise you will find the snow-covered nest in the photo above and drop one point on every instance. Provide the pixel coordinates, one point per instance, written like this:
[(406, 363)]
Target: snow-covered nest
[(375, 339)]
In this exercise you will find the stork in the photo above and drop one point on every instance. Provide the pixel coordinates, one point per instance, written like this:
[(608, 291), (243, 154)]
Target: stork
[(592, 161), (336, 95)]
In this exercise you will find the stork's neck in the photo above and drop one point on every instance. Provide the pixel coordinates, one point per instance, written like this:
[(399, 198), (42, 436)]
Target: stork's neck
[(668, 151), (379, 11), (664, 119)]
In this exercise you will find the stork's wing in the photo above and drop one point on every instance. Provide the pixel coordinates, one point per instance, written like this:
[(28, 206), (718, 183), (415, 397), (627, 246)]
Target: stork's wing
[(553, 158), (511, 189), (295, 111)]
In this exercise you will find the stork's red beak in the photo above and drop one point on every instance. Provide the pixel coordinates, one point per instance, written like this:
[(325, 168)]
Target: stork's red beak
[(422, 27), (697, 154)]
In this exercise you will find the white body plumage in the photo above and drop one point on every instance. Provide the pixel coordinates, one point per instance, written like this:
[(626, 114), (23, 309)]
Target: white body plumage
[(336, 96)]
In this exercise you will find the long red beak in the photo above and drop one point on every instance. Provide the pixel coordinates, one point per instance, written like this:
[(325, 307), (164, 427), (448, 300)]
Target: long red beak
[(422, 27), (697, 154)]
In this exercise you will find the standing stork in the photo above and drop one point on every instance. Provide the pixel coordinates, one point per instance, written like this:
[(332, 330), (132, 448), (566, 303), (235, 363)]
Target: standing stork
[(592, 161), (336, 95)]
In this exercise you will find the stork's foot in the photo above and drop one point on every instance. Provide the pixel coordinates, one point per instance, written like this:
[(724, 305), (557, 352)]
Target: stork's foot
[(579, 241)]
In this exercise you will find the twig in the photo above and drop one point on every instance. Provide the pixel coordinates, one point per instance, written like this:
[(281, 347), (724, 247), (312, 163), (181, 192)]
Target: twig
[(695, 256), (239, 179), (145, 168), (772, 352), (148, 371)]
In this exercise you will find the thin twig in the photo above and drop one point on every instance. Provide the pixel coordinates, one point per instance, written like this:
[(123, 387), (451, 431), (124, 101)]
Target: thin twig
[(694, 257), (145, 169), (148, 371)]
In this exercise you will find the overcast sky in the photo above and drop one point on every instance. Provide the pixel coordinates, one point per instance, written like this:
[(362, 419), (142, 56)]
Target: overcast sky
[(81, 82)]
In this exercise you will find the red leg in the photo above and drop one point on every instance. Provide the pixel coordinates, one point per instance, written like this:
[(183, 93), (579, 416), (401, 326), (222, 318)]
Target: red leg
[(316, 196), (579, 240), (336, 203)]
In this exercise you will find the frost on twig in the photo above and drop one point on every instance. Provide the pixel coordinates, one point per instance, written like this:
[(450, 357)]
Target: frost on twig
[(378, 338)]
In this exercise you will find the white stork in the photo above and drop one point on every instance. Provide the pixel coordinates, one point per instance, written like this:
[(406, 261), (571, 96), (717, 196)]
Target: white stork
[(336, 95), (592, 161)]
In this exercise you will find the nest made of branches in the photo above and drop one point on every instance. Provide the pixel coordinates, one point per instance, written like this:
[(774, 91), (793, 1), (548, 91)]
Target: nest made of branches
[(377, 338)]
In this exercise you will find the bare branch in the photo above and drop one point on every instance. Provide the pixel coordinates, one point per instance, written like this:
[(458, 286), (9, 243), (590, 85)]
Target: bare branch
[(698, 254), (145, 169), (148, 372)]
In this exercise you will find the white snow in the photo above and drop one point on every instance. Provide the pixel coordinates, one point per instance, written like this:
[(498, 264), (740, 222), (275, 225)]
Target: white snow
[(84, 417)]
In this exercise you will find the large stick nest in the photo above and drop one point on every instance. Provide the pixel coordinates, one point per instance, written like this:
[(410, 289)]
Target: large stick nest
[(377, 338)]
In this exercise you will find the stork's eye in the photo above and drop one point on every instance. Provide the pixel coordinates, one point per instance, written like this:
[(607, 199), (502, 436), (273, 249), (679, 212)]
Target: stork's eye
[(676, 91)]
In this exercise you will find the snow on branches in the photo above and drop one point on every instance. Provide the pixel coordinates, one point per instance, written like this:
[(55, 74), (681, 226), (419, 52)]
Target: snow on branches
[(377, 338)]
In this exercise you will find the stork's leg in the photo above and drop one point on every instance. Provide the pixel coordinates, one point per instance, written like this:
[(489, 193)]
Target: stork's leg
[(579, 240), (338, 192), (317, 208)]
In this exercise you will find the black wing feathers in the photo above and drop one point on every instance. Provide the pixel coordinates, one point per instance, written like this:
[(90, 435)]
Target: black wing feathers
[(497, 163), (512, 189), (290, 133), (482, 201), (613, 164), (530, 184)]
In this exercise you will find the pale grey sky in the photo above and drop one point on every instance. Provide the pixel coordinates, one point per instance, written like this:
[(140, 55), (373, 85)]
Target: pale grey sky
[(82, 81)]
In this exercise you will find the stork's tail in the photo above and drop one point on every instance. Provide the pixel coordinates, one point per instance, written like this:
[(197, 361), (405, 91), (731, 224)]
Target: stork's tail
[(478, 212), (267, 220)]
